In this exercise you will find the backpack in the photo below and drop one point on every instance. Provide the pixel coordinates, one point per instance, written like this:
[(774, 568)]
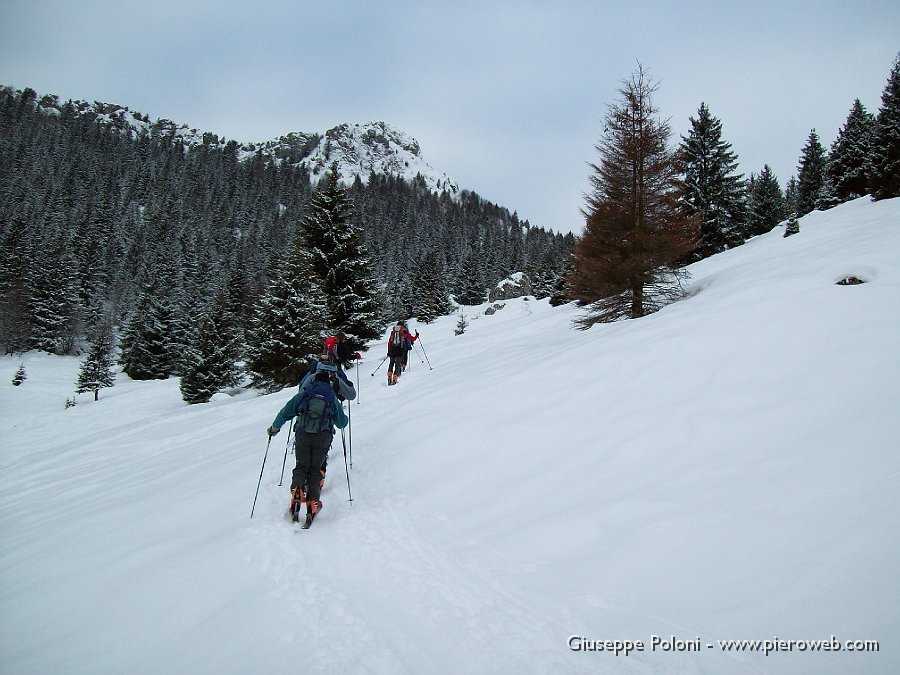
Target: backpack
[(315, 411), (397, 336)]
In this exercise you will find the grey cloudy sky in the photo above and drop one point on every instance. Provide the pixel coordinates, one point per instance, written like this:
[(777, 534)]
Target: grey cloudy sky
[(507, 98)]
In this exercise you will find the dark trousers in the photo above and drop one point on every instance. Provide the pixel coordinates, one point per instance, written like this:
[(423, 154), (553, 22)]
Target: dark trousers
[(395, 365), (311, 451)]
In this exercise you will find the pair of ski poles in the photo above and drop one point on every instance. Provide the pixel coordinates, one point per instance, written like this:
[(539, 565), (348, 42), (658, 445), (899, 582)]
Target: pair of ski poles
[(414, 344), (284, 461)]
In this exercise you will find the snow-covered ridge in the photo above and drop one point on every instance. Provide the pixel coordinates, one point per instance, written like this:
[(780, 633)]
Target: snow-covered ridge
[(358, 149), (375, 147)]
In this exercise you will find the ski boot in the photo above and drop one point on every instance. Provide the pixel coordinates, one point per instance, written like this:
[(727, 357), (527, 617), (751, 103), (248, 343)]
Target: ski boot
[(297, 498)]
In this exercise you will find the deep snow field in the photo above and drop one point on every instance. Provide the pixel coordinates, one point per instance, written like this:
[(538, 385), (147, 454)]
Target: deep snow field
[(726, 469)]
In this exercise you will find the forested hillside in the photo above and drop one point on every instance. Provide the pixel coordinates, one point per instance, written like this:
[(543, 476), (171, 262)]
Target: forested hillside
[(102, 212)]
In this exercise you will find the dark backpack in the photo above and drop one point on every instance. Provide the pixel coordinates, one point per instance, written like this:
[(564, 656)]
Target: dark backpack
[(315, 412)]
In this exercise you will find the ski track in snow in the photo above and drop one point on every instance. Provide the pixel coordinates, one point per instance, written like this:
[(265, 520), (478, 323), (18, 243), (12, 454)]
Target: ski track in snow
[(399, 562)]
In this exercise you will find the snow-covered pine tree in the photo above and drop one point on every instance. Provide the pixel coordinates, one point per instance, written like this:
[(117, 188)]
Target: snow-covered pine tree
[(20, 376), (149, 350), (432, 297), (15, 326), (767, 204), (626, 262), (237, 288), (791, 193), (710, 188), (793, 225), (850, 158), (53, 293), (461, 324), (341, 262), (885, 177), (470, 288), (827, 195), (398, 296), (544, 273), (97, 370), (213, 354), (562, 290), (810, 174), (290, 324)]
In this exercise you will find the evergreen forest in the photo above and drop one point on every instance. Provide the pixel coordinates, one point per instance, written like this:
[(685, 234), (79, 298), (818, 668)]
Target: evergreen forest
[(183, 244)]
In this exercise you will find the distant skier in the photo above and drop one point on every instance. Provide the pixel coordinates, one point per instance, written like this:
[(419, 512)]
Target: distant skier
[(318, 411), (407, 346), (342, 385), (400, 342), (341, 350)]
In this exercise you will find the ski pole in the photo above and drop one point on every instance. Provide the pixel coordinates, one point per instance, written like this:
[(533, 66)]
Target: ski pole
[(345, 468), (259, 482), (350, 432), (426, 355), (379, 366), (417, 352), (286, 446)]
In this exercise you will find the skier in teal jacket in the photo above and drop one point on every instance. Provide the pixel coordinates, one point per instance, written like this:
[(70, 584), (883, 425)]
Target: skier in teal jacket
[(313, 437)]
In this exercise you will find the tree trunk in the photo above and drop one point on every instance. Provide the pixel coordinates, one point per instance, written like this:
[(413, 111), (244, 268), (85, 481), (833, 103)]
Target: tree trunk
[(637, 299)]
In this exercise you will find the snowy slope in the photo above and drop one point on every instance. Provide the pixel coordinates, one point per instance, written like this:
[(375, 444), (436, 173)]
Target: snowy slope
[(724, 469)]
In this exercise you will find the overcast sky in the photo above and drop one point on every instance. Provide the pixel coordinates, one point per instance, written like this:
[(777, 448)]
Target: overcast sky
[(507, 98)]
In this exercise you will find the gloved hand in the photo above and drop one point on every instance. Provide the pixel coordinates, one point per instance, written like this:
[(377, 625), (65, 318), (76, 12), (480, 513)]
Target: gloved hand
[(272, 431), (357, 355), (417, 333)]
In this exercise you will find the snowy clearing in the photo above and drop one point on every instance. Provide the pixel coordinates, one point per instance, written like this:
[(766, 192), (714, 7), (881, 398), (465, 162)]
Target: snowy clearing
[(726, 469)]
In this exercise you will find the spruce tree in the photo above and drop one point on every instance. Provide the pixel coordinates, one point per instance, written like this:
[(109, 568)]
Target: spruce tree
[(791, 195), (810, 174), (767, 204), (432, 298), (55, 305), (290, 325), (562, 291), (20, 376), (97, 369), (399, 301), (461, 324), (710, 187), (213, 354), (850, 158), (827, 198), (793, 225), (341, 263), (626, 260), (15, 299), (149, 350), (470, 289), (885, 178)]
